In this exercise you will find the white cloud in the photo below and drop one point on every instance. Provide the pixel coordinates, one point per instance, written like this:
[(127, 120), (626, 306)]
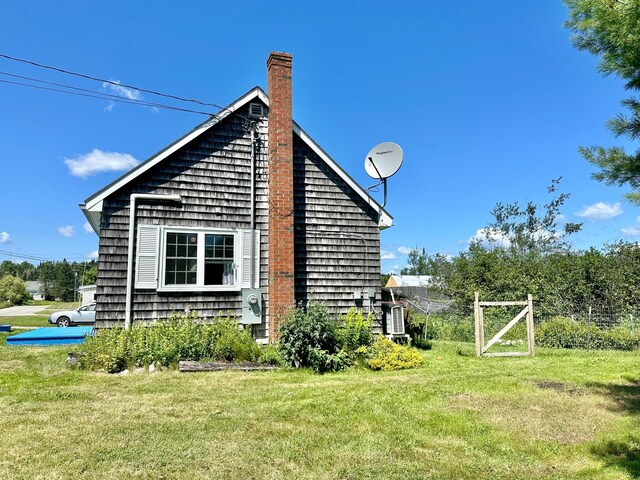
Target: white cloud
[(404, 250), (92, 255), (4, 237), (124, 92), (98, 161), (121, 91), (87, 227), (384, 255), (489, 237), (631, 231), (600, 211), (67, 231)]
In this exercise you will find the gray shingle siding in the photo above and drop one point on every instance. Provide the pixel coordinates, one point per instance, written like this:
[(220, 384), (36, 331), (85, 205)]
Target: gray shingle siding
[(336, 237)]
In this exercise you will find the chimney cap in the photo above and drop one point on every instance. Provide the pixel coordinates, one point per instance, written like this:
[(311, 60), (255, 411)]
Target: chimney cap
[(280, 57)]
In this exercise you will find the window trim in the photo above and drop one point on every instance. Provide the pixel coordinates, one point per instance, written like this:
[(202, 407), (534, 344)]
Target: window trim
[(199, 286)]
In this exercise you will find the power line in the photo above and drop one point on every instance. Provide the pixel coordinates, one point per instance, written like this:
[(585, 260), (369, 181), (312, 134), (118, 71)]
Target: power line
[(111, 82), (98, 95), (107, 95), (39, 258)]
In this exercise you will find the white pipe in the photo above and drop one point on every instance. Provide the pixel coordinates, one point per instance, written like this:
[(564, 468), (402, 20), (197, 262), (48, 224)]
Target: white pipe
[(130, 246), (253, 206)]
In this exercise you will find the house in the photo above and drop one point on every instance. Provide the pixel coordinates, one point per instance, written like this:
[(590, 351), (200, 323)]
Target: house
[(34, 288), (246, 214), (409, 281), (87, 293)]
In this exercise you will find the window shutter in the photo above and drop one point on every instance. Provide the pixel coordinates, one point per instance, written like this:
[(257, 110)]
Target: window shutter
[(147, 257), (246, 259)]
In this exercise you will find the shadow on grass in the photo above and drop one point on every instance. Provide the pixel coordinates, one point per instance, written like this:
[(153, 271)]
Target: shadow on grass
[(623, 453), (625, 395)]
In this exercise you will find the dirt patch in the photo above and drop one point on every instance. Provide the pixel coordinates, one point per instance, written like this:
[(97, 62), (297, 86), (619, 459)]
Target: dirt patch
[(561, 387)]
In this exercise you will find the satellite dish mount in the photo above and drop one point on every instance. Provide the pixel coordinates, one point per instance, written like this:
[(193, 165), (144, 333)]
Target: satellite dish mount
[(382, 162)]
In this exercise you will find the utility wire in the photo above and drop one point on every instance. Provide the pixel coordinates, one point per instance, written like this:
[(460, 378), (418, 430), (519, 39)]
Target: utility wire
[(35, 257), (106, 96), (29, 257), (111, 82)]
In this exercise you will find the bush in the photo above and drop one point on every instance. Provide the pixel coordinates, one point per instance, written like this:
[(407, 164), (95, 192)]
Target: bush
[(451, 327), (165, 343), (355, 330), (13, 290), (271, 355), (308, 338), (562, 332), (388, 355)]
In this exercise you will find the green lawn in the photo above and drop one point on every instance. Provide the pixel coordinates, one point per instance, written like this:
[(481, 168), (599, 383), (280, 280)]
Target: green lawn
[(27, 321), (559, 415), (41, 318)]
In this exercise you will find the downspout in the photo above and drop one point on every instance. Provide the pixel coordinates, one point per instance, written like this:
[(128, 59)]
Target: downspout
[(132, 220), (253, 204)]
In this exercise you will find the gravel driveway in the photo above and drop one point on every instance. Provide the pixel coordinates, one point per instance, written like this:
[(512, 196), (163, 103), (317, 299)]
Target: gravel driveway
[(20, 311)]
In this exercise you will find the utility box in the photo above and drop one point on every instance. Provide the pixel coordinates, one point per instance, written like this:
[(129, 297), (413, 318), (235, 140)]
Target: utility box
[(251, 306)]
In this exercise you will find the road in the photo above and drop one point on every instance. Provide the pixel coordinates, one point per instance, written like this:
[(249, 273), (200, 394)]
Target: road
[(20, 311)]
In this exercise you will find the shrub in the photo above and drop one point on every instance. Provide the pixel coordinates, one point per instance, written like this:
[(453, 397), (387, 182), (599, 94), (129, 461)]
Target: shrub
[(323, 361), (271, 355), (562, 332), (308, 339), (13, 290), (165, 343), (355, 330), (388, 355), (450, 327)]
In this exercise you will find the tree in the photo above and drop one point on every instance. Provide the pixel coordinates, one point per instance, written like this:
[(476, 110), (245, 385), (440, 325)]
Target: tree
[(532, 228), (13, 290), (416, 263), (611, 29), (47, 278), (64, 282)]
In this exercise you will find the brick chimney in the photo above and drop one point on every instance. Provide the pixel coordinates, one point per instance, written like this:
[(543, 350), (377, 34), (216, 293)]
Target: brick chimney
[(281, 228)]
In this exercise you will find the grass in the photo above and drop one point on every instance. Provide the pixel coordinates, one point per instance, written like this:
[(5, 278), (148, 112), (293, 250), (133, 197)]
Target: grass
[(559, 415), (41, 318), (27, 321)]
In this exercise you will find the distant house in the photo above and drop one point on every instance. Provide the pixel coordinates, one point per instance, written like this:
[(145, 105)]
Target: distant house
[(34, 289), (245, 214), (409, 281), (87, 293)]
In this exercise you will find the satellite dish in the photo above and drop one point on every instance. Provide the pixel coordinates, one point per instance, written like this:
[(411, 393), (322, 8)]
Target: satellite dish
[(383, 160)]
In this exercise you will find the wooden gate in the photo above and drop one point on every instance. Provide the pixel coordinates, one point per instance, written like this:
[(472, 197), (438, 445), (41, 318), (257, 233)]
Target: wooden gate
[(527, 312)]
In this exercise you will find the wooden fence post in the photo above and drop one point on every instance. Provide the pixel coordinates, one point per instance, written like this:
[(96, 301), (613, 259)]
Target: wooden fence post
[(476, 317), (530, 336)]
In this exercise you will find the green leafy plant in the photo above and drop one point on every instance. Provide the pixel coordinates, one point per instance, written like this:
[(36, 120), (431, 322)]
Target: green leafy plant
[(166, 342), (355, 330), (388, 355), (308, 338), (562, 332)]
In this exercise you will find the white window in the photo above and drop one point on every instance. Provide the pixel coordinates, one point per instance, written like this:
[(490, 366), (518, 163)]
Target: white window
[(188, 259)]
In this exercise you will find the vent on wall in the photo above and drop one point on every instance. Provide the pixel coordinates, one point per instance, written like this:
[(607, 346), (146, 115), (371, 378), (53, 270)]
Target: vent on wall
[(255, 110)]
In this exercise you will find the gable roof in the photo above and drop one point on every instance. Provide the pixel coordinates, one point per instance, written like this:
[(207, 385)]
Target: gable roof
[(92, 207)]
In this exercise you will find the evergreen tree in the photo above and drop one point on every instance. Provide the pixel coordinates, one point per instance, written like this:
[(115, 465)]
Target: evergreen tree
[(610, 29)]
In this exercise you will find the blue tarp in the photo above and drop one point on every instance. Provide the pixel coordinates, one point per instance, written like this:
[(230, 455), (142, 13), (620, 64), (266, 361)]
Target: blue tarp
[(51, 336)]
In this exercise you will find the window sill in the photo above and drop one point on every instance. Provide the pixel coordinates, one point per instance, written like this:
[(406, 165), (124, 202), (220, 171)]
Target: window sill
[(198, 288)]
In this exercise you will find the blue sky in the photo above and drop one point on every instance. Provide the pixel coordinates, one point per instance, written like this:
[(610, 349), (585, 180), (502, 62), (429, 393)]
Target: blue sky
[(489, 101)]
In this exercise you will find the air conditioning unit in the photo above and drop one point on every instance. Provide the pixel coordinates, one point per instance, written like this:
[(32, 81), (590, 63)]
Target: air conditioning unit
[(395, 322)]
